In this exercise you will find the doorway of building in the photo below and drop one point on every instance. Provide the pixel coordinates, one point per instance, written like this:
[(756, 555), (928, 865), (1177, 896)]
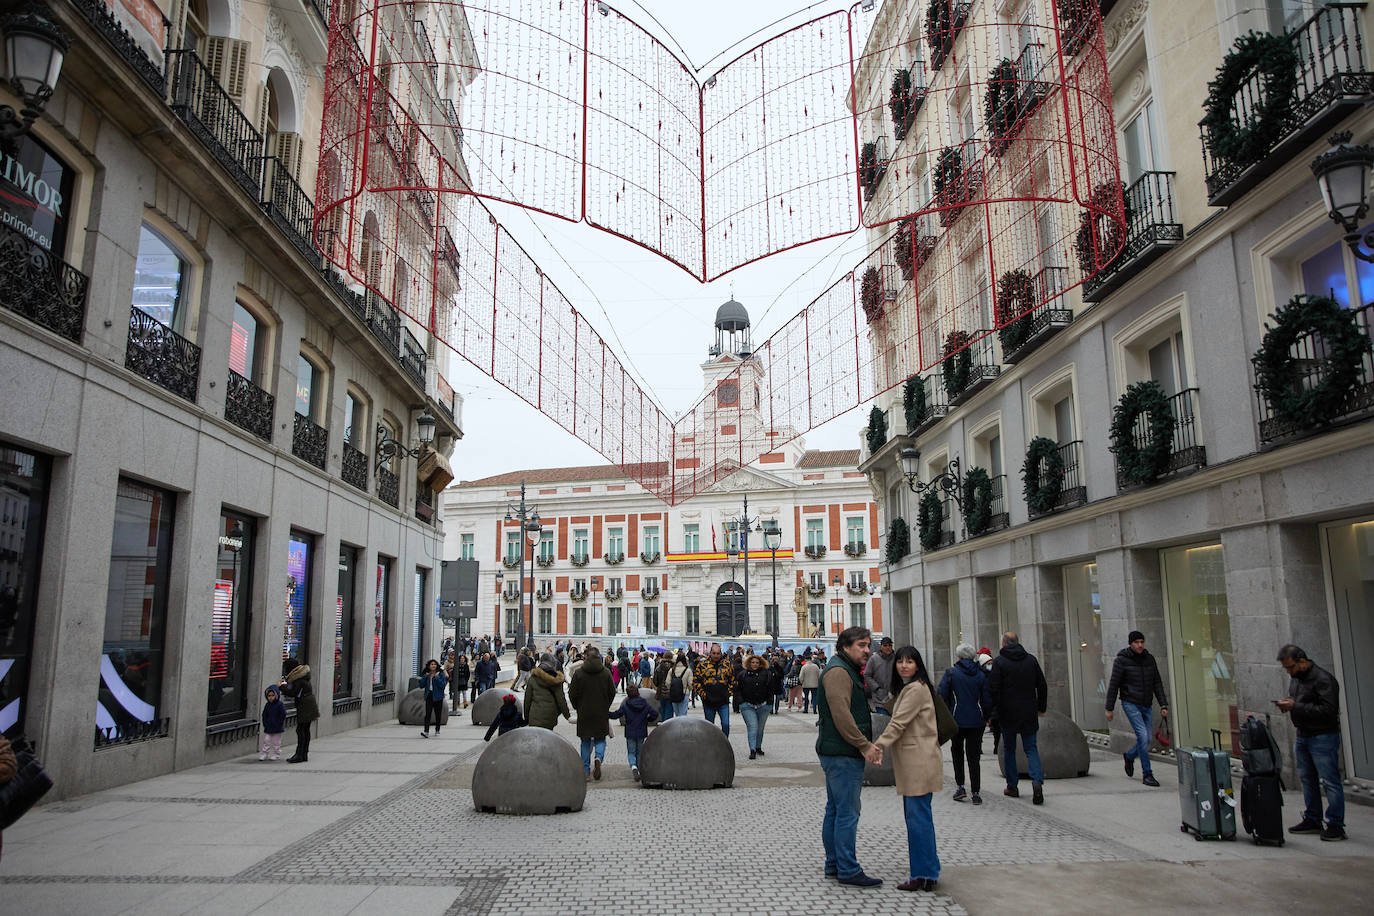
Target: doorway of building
[(1202, 662), (1350, 549), (732, 617), (1087, 669)]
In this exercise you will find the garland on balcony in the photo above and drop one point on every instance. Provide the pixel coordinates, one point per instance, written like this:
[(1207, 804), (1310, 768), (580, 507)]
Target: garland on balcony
[(914, 401), (1015, 301), (581, 559), (1042, 488), (899, 102), (939, 28), (1075, 22), (928, 519), (1136, 463), (871, 295), (868, 166), (977, 500), (1280, 379), (949, 172), (614, 559), (904, 245), (957, 365), (877, 429), (1273, 58), (1099, 235), (1001, 101), (898, 541)]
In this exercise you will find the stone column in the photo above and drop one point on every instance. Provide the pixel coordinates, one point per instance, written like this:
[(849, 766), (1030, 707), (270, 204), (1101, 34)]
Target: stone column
[(1046, 633)]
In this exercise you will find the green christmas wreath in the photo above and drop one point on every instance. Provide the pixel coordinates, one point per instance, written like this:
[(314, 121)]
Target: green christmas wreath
[(1042, 487), (904, 243), (870, 295), (977, 501), (949, 175), (898, 540), (1142, 463), (928, 520), (1282, 381), (914, 401), (900, 104), (1265, 119), (877, 429), (1015, 302), (939, 31), (957, 366), (868, 166), (1100, 238), (1002, 102)]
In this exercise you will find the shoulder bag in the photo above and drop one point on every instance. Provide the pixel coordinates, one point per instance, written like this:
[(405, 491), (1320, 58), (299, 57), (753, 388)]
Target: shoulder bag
[(945, 725), (30, 783)]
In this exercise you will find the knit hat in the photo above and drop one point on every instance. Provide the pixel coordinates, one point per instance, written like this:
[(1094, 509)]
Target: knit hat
[(1135, 634), (548, 662), (983, 658), (508, 698)]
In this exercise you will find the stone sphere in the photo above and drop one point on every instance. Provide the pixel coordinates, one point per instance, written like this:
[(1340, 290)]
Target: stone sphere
[(412, 711), (686, 753), (529, 771), (485, 707), (1063, 749), (880, 775)]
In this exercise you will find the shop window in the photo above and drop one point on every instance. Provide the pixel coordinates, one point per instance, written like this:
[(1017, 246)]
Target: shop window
[(1350, 548), (131, 664), (343, 622), (1202, 663), (24, 482), (1008, 619), (381, 624), (229, 696), (299, 557), (160, 280), (1087, 668), (421, 580)]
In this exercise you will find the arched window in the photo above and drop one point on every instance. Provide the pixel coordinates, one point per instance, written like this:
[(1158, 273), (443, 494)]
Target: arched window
[(248, 344), (311, 392), (161, 279)]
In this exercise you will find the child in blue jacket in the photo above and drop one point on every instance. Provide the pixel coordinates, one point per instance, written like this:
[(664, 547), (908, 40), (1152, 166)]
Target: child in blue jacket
[(508, 718), (637, 714), (273, 724)]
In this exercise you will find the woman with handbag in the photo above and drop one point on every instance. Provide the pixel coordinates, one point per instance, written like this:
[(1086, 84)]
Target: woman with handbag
[(913, 737)]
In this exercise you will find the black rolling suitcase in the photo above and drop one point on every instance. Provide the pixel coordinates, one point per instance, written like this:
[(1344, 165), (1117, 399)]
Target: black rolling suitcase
[(1261, 789)]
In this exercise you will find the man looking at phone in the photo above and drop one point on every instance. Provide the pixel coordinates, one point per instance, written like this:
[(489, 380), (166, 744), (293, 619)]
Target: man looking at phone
[(1135, 673), (1313, 704)]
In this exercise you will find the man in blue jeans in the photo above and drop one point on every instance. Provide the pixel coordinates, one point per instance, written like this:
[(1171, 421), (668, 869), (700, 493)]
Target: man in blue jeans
[(714, 682), (1019, 692), (1313, 704), (1135, 675), (844, 744)]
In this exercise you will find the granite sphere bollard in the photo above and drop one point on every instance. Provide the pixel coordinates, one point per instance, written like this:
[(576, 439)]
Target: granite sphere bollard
[(1063, 750), (529, 771), (485, 707), (686, 753), (412, 711), (882, 775)]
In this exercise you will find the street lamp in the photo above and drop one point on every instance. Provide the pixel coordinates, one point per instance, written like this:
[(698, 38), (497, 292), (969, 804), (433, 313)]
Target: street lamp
[(34, 49), (837, 582), (949, 481), (742, 524), (529, 521), (1343, 176), (772, 538), (388, 448)]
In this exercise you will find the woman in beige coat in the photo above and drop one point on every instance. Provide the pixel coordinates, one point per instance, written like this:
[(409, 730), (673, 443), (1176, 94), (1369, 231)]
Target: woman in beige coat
[(913, 738)]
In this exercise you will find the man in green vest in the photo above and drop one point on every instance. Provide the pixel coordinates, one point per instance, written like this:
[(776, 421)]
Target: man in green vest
[(844, 744)]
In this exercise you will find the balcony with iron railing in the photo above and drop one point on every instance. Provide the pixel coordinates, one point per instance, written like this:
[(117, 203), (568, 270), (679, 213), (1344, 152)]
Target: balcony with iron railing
[(1332, 81), (290, 208), (38, 285), (935, 401), (946, 524), (309, 441), (1072, 491), (389, 487), (353, 467), (162, 356), (1034, 79), (906, 97), (966, 186), (249, 407), (103, 19), (938, 50), (873, 163), (384, 322), (511, 593), (1309, 352), (1186, 451), (424, 503), (321, 8), (983, 368), (413, 357), (1050, 315), (214, 119), (814, 551), (913, 243), (1152, 229), (1000, 518)]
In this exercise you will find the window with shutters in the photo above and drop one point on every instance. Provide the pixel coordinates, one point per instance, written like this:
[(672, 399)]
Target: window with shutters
[(227, 61)]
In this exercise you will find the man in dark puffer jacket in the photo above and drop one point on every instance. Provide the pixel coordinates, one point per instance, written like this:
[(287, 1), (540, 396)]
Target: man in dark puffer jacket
[(1135, 674), (1313, 703)]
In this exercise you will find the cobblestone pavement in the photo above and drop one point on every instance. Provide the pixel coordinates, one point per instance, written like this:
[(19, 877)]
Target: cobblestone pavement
[(380, 821)]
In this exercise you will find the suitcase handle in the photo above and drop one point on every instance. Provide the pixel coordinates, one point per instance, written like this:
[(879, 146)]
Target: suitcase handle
[(1216, 739)]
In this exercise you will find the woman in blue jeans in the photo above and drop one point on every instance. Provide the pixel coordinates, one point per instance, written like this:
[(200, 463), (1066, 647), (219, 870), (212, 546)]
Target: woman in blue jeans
[(913, 738), (754, 700)]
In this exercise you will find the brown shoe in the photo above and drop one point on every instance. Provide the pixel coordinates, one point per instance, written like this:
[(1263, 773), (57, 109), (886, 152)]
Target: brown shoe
[(596, 769), (915, 884)]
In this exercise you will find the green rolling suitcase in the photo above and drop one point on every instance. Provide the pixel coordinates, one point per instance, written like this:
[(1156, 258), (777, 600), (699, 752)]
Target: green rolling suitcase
[(1205, 792)]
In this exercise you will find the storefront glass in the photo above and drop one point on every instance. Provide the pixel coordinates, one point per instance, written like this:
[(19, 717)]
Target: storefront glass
[(1008, 620), (1202, 663), (343, 623), (296, 635), (1351, 552), (24, 494), (229, 616), (381, 618), (1083, 613)]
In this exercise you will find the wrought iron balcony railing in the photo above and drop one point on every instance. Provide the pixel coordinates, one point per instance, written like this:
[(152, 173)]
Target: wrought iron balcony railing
[(424, 503), (1309, 351), (1072, 492), (814, 551), (321, 8), (1186, 450), (40, 286), (935, 401), (966, 187), (510, 594), (1050, 315), (353, 469), (309, 441), (855, 548), (389, 487), (1034, 79), (290, 208), (102, 18), (249, 407), (132, 732), (224, 130), (383, 321), (1000, 517), (1153, 229), (162, 356), (413, 357), (1332, 80), (983, 367), (946, 524)]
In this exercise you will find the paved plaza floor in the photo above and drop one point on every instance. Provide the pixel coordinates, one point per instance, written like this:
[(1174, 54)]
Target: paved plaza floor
[(381, 821)]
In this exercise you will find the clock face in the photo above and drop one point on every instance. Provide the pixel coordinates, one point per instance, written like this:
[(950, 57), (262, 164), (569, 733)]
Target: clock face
[(727, 393)]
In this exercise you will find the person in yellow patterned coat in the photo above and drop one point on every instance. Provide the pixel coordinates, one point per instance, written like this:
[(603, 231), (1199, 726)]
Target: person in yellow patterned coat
[(714, 682)]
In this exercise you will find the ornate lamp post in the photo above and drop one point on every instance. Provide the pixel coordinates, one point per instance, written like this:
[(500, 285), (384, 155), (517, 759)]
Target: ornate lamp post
[(742, 524), (34, 49), (772, 538), (837, 582), (528, 516), (950, 481)]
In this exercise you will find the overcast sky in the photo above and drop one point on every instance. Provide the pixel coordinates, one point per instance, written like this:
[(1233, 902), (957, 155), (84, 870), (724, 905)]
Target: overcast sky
[(657, 317)]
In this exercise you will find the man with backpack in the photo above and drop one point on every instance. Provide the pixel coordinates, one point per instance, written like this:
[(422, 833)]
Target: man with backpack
[(1135, 674)]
